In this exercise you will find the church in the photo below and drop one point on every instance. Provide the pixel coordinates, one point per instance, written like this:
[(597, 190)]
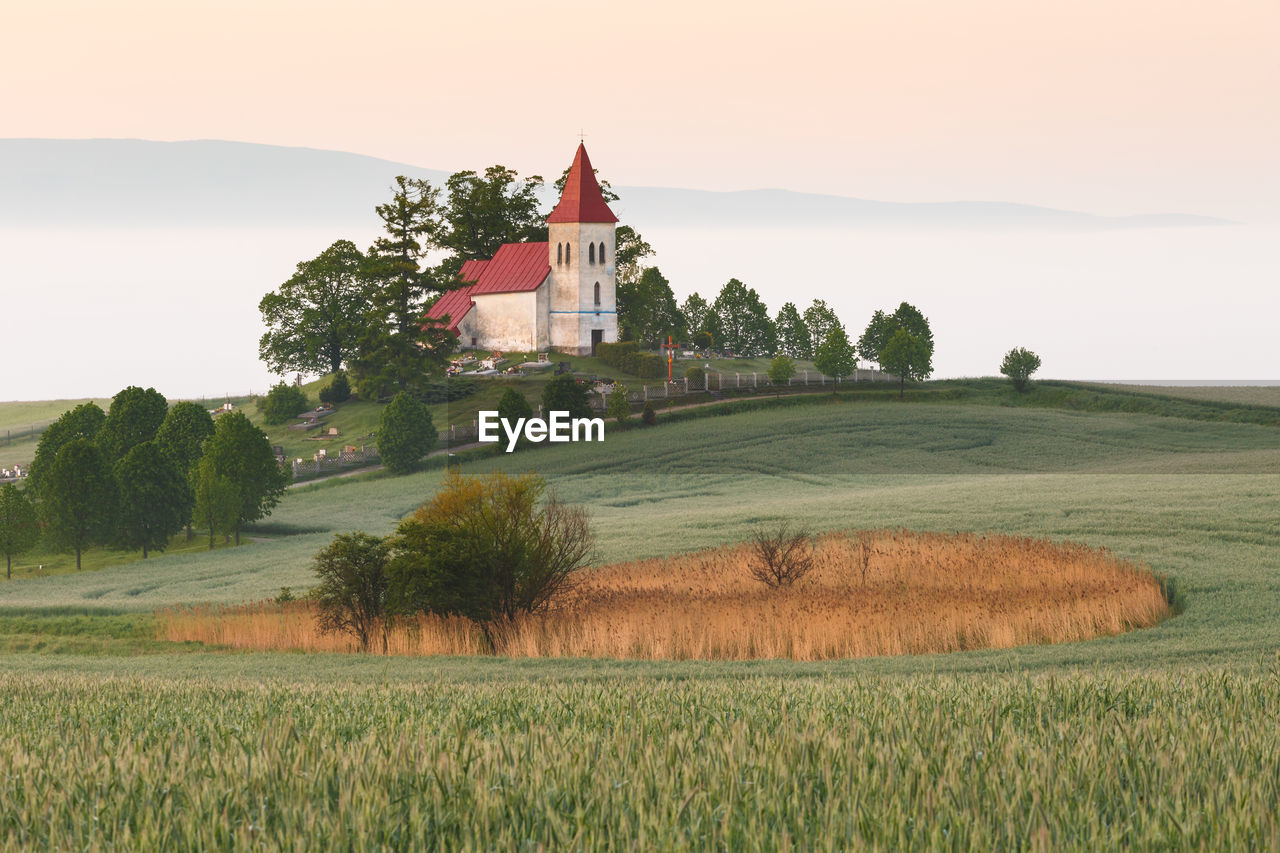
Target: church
[(559, 295)]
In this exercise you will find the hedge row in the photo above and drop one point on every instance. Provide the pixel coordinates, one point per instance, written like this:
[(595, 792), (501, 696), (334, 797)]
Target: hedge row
[(625, 356)]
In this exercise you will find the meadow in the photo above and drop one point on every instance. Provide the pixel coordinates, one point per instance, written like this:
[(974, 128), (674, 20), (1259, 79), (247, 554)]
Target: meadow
[(1157, 737), (866, 593)]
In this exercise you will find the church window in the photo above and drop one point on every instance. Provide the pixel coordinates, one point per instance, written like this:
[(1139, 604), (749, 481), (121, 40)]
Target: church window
[(567, 249), (591, 252), (559, 252), (597, 293), (602, 252)]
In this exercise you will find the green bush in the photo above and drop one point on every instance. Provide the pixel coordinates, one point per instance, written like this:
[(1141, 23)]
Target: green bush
[(283, 403), (612, 354), (650, 366), (695, 374), (649, 417), (405, 433), (337, 391), (566, 394)]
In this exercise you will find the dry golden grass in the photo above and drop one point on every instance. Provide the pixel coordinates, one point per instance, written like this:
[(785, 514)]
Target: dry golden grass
[(923, 592)]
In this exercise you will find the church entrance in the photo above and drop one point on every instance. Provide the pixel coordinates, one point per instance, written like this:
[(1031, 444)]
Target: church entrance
[(597, 335)]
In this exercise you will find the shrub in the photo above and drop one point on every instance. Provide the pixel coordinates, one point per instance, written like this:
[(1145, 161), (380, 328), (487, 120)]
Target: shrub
[(405, 433), (353, 586), (781, 556), (612, 354), (649, 416), (337, 391), (488, 548), (564, 393), (283, 403), (513, 406), (1019, 363), (695, 374), (618, 407), (650, 366)]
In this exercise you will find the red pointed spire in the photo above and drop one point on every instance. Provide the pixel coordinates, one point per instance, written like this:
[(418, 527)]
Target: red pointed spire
[(582, 200)]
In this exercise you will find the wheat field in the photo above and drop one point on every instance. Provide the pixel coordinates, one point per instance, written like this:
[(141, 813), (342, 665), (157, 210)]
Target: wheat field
[(920, 593)]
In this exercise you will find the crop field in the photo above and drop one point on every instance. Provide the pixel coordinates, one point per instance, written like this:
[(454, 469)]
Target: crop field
[(866, 593), (1178, 760), (1157, 737)]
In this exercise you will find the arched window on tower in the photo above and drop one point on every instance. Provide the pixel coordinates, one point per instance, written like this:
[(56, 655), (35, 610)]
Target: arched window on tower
[(602, 251), (567, 249), (591, 253), (597, 293), (559, 253)]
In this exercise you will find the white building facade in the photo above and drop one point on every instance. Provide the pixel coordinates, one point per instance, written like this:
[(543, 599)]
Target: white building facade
[(559, 295)]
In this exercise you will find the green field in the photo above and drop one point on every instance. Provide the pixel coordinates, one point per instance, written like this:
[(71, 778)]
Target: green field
[(1163, 737)]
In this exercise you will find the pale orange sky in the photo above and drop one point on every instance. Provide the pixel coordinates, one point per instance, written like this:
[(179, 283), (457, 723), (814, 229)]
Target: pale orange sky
[(1110, 106)]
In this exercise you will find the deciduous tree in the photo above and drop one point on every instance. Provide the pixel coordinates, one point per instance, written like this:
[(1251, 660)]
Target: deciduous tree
[(781, 369), (1019, 363), (134, 417), (79, 498), (284, 402), (405, 434), (485, 211), (352, 593), (155, 499), (489, 548), (647, 310), (241, 453), (618, 406), (835, 356), (19, 525), (743, 321), (84, 421), (566, 394), (217, 500), (794, 338), (819, 319), (908, 357), (314, 321)]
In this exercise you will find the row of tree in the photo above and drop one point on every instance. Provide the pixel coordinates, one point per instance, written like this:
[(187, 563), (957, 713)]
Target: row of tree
[(137, 474)]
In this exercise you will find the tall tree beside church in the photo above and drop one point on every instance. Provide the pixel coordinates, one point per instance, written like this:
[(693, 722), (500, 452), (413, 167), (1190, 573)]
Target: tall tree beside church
[(134, 417), (398, 349), (647, 310), (84, 421), (743, 321), (485, 211), (696, 313), (315, 319), (793, 334), (821, 321), (630, 250)]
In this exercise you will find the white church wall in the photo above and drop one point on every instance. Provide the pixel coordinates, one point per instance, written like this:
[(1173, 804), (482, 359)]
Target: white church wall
[(574, 311), (507, 321)]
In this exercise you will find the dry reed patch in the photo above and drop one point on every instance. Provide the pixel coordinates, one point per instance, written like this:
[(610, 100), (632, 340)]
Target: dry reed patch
[(922, 592)]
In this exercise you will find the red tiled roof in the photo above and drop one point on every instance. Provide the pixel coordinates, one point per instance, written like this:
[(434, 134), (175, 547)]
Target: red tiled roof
[(455, 304), (516, 267), (471, 271), (581, 200)]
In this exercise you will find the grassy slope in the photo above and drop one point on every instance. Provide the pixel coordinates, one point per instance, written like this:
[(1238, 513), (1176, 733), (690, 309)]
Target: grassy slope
[(1196, 500)]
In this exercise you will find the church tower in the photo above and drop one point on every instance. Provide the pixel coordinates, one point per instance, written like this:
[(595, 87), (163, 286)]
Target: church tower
[(582, 237)]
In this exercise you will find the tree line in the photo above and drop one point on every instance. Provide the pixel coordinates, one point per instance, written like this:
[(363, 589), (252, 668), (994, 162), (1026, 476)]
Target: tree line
[(137, 474)]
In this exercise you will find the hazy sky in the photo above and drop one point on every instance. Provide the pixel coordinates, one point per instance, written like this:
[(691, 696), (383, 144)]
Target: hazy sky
[(1109, 106)]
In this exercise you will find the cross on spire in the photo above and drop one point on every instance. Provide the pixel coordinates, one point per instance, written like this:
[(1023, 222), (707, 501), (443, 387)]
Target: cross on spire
[(582, 136)]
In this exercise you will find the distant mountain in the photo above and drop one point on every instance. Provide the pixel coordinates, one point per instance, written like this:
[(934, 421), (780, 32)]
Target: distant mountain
[(130, 182)]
